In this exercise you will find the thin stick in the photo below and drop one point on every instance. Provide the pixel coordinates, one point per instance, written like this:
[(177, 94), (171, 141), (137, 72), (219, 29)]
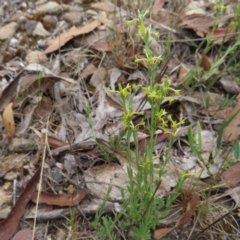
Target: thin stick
[(40, 179), (213, 223)]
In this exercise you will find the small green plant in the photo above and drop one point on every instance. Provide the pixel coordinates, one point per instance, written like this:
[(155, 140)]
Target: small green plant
[(142, 209), (227, 55), (72, 218)]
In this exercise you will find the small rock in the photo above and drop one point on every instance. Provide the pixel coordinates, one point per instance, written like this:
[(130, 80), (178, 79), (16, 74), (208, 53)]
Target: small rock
[(78, 1), (40, 30), (8, 186), (104, 6), (91, 12), (10, 176), (73, 17), (20, 15), (21, 145), (49, 22), (4, 198), (70, 164), (40, 2), (229, 85), (8, 31), (72, 8), (71, 189), (56, 175), (5, 212), (36, 57), (49, 7), (30, 25)]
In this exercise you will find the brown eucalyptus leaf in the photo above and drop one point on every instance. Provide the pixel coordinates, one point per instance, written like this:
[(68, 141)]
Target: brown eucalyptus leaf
[(231, 131), (60, 41), (205, 62), (8, 120), (232, 175), (59, 199), (9, 226), (25, 234)]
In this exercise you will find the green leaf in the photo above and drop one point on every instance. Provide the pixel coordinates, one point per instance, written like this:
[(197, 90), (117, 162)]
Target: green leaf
[(237, 150), (193, 144)]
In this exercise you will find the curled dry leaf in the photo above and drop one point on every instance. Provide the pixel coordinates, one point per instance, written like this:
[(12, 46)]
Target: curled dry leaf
[(159, 233), (54, 142), (206, 64), (191, 206), (60, 199), (48, 78), (9, 225), (8, 120), (9, 92)]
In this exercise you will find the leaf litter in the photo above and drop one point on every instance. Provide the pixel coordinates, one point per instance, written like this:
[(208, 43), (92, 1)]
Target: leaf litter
[(56, 64)]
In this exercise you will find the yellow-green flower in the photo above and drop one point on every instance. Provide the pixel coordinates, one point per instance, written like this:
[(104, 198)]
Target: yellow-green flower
[(125, 91)]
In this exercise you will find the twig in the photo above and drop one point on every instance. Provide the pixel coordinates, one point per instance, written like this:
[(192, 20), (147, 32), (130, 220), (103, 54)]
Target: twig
[(213, 223)]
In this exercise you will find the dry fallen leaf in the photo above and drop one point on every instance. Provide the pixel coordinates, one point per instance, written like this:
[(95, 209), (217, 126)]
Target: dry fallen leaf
[(191, 206), (231, 131), (142, 143), (206, 64), (9, 92), (89, 70), (8, 120), (202, 25), (59, 199), (157, 6), (103, 45), (59, 41), (232, 175), (10, 224), (159, 233), (222, 35), (54, 142), (100, 178), (25, 234)]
